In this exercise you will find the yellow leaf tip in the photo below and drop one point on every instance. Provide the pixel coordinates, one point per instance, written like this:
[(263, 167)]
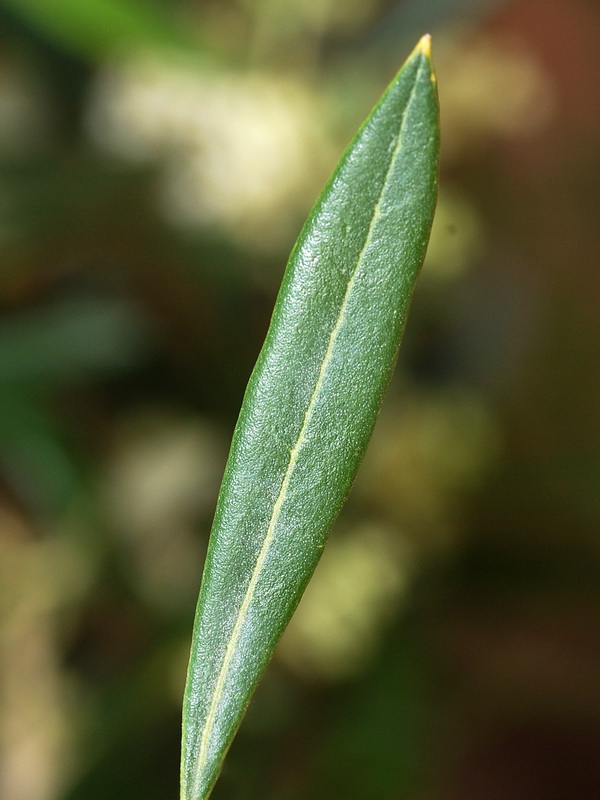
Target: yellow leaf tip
[(424, 45), (423, 48)]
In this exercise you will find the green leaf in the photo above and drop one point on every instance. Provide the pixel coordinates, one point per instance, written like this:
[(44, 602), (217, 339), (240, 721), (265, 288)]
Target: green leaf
[(310, 406), (95, 28)]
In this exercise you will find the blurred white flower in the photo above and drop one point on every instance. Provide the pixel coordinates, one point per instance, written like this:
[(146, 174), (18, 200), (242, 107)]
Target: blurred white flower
[(239, 152), (355, 591), (493, 85)]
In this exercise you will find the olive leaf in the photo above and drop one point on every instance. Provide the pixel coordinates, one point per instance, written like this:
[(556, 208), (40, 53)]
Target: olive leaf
[(310, 406)]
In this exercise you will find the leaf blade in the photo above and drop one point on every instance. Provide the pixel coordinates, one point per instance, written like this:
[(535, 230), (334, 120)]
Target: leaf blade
[(310, 406)]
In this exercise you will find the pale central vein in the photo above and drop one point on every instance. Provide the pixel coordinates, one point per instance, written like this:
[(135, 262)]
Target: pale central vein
[(294, 453)]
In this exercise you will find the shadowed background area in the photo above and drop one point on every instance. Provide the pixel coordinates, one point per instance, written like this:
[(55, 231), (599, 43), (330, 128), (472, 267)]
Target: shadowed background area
[(157, 160)]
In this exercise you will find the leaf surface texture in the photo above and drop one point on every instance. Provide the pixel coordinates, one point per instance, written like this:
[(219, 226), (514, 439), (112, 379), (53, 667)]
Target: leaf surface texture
[(310, 406)]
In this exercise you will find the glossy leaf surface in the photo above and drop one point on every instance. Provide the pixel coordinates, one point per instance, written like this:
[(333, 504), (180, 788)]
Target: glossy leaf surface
[(310, 406)]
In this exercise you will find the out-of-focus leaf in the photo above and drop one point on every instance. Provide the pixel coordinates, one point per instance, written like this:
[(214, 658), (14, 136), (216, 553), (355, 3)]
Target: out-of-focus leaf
[(310, 406), (34, 459), (71, 339), (93, 28)]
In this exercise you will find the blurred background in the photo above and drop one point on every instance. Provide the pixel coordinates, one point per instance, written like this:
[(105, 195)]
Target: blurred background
[(157, 160)]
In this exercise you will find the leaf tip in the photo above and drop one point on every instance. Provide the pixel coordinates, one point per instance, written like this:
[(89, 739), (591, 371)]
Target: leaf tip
[(424, 46)]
